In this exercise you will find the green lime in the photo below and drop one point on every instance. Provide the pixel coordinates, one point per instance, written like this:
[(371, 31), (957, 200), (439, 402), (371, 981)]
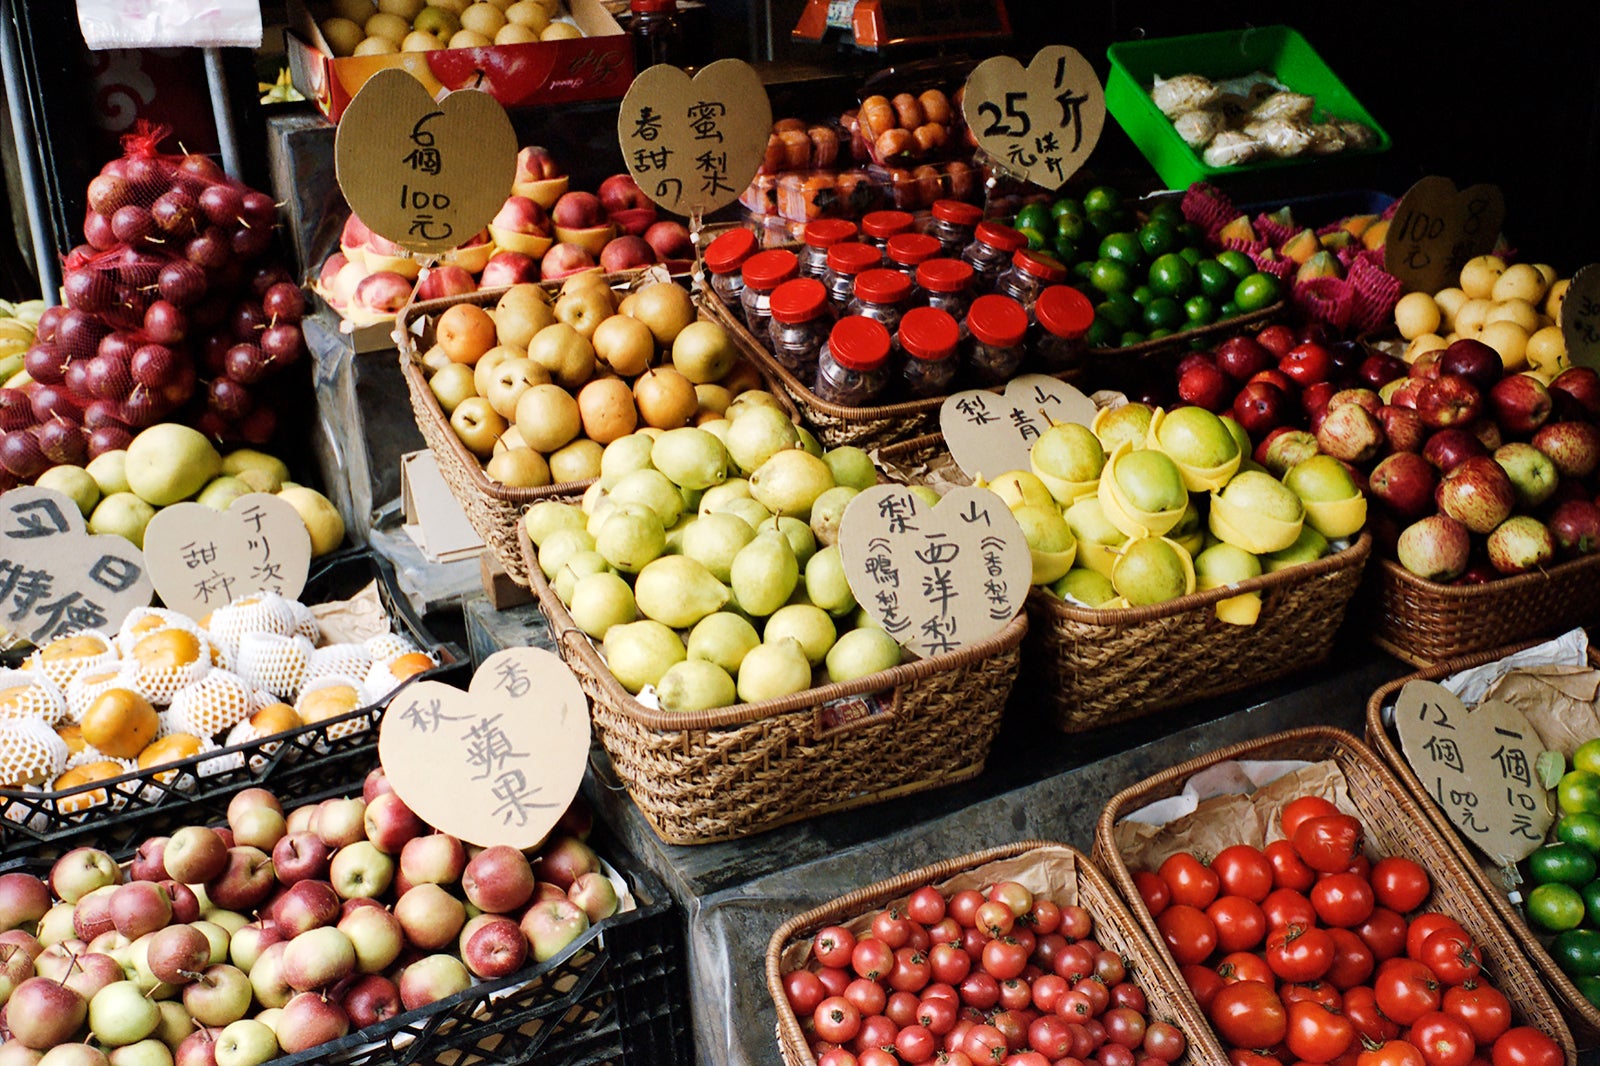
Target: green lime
[(1579, 791), (1102, 222), (1157, 334), (1200, 310), (1168, 212), (1065, 248), (1067, 206), (1577, 952), (1255, 292), (1109, 275), (1566, 864), (1142, 295), (1190, 234), (1171, 275), (1191, 255), (1102, 198), (1101, 334), (1035, 237), (1214, 279), (1229, 309), (1130, 308), (1034, 216), (1072, 226), (1555, 908), (1235, 262), (1123, 247), (1581, 828), (1083, 270), (1591, 901), (1112, 314), (1130, 338), (1587, 757), (1590, 987), (1163, 313), (1157, 238)]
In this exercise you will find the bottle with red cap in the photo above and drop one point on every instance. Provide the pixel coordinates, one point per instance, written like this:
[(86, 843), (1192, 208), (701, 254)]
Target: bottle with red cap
[(990, 252), (881, 294), (764, 272), (657, 33), (930, 339), (854, 369), (845, 261), (907, 251), (878, 226), (954, 223), (1028, 275), (999, 329), (820, 236), (725, 257), (800, 325), (947, 285), (1061, 315)]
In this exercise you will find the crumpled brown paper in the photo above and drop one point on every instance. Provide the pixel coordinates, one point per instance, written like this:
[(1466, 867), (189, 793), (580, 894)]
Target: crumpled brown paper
[(352, 621), (1558, 701)]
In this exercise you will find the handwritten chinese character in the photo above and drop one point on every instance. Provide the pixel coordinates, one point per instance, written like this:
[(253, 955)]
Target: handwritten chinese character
[(939, 588), (991, 559), (889, 603), (647, 127), (973, 514), (976, 410), (1520, 799), (1018, 156), (198, 555), (1024, 424), (217, 584), (117, 575), (713, 168), (425, 718), (897, 511), (937, 551), (269, 575), (513, 680), (651, 159), (703, 120), (1071, 110), (1444, 750), (1442, 720), (66, 615), (516, 797), (882, 570), (38, 518), (489, 746), (996, 593), (1522, 826), (27, 587), (429, 228), (939, 635), (1513, 764)]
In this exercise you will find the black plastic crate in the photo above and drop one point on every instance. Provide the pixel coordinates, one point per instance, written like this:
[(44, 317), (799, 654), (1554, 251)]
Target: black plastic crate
[(330, 756)]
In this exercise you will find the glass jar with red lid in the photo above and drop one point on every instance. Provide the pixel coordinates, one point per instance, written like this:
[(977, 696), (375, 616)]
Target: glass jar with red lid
[(845, 261), (929, 338), (820, 236), (990, 252), (878, 226), (800, 325), (882, 294), (953, 224), (764, 272), (725, 257), (1029, 274), (1061, 316), (853, 369), (947, 285), (907, 251), (999, 329)]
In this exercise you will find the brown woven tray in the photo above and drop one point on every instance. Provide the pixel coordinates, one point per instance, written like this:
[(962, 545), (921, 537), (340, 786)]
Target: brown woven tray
[(1585, 1016), (1395, 824), (719, 775), (1424, 622), (1106, 357), (1115, 928)]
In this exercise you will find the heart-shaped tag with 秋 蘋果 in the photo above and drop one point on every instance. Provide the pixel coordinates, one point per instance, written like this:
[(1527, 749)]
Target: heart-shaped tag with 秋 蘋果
[(55, 576), (989, 434), (1040, 121), (427, 174), (1580, 317), (201, 558), (693, 145), (497, 764), (936, 578), (1436, 228)]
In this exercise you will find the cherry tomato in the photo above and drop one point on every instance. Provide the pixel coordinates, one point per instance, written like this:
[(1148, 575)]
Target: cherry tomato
[(891, 928), (948, 963), (1076, 923), (1328, 843), (1361, 1007), (1353, 961), (1392, 1053), (1443, 1040), (963, 907), (877, 1031), (1164, 1041), (1240, 923), (1012, 1027), (902, 1008), (1316, 1034), (1109, 969), (1124, 1026), (1320, 992), (1361, 866), (1015, 994), (833, 945), (980, 990), (1344, 900), (1203, 983), (1189, 934), (872, 959), (1482, 1008), (834, 979), (1191, 881), (1285, 907), (1245, 966), (1400, 884), (1074, 1006), (1045, 918), (1299, 953), (994, 918), (804, 990), (1099, 995), (1406, 990), (1452, 956), (1384, 932), (926, 906), (836, 1020), (1241, 1057), (838, 1057), (1051, 1036), (868, 996), (938, 1016), (1016, 896), (915, 1043), (1074, 962), (1249, 1014), (876, 1056), (1288, 870), (1243, 871), (1297, 811), (1425, 925), (1003, 959), (1127, 994), (1526, 1046)]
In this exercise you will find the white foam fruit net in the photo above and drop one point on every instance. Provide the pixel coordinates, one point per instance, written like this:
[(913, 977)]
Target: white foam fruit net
[(30, 753), (348, 660), (31, 694), (63, 670), (212, 704), (274, 662), (339, 729)]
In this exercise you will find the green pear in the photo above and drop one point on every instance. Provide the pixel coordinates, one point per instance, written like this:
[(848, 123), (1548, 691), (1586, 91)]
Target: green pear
[(861, 652), (808, 442), (772, 671), (638, 653), (758, 433), (692, 458), (826, 583), (547, 516), (601, 511), (168, 462), (851, 467), (220, 492), (677, 591), (713, 541), (237, 462), (723, 638), (653, 489), (560, 546), (718, 428), (790, 481), (1150, 571), (1307, 547), (827, 511), (259, 480), (1050, 541), (810, 625), (799, 597), (750, 399), (797, 533), (695, 685), (109, 470), (592, 496), (734, 488), (752, 512), (124, 514), (1224, 564), (764, 573), (676, 534), (74, 482), (1088, 587), (600, 601), (926, 494), (631, 537), (578, 566), (623, 456), (691, 499)]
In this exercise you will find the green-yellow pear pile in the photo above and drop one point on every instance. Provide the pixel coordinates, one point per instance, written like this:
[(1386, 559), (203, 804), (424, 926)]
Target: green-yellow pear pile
[(1148, 505), (705, 563)]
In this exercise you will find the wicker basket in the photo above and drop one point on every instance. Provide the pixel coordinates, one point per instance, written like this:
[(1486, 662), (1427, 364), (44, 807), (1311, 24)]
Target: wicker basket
[(1108, 358), (1585, 1016), (1395, 824), (1424, 622), (719, 775), (1115, 929)]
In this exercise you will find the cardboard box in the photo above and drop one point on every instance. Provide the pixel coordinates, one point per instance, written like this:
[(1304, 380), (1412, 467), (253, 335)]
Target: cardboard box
[(596, 66)]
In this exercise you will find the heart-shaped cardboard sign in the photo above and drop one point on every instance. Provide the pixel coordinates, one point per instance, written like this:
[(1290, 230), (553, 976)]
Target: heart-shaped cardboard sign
[(989, 434), (1479, 767), (1435, 229), (55, 576), (1580, 317), (694, 145), (1041, 122), (936, 579), (201, 558), (426, 174), (497, 764)]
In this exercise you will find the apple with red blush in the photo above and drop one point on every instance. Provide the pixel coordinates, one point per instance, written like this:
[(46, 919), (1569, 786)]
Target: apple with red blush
[(626, 205), (1478, 493), (1203, 384), (1307, 363), (1573, 446), (1582, 383), (563, 261), (1449, 400), (1404, 482), (1575, 525), (1473, 360), (1402, 427), (626, 253), (1260, 406), (539, 176), (444, 280), (1449, 448), (671, 242), (1378, 369), (1241, 357), (580, 219), (371, 999), (505, 269), (1277, 339), (521, 225)]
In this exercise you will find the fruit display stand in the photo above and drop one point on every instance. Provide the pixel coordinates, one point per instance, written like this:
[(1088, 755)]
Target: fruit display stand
[(1394, 824), (336, 754)]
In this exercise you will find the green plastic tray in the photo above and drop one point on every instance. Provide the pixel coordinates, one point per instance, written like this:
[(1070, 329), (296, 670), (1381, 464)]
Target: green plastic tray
[(1278, 50)]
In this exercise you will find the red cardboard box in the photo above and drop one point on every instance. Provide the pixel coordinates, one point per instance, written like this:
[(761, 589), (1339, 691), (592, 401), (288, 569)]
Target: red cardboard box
[(596, 66)]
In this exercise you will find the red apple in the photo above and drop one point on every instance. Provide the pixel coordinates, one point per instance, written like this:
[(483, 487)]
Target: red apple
[(309, 1020), (1306, 364), (579, 210), (199, 1048), (390, 823), (1364, 397), (1241, 357), (509, 268), (1575, 525), (1520, 544), (1520, 403), (1316, 398), (1473, 360), (1404, 482), (177, 954), (42, 1013), (1448, 448), (1350, 433), (595, 893), (245, 882), (536, 164), (1403, 428), (299, 856), (306, 905), (1487, 432), (370, 1000), (1283, 448), (1259, 407), (1436, 548), (1204, 385), (1582, 383), (1573, 446), (564, 860), (445, 280), (493, 946), (1277, 339), (1477, 493), (24, 899), (140, 907), (1378, 369), (498, 879), (1427, 366), (436, 858), (626, 253), (670, 240), (1406, 394), (561, 261), (375, 784), (1277, 378), (1451, 400), (619, 192)]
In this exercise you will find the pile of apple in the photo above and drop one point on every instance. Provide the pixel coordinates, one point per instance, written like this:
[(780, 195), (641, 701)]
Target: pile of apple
[(1516, 310), (705, 561), (275, 934), (365, 28), (543, 232), (537, 386)]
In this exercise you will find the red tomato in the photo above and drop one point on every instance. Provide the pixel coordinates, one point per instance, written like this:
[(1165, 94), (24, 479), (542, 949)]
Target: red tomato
[(1190, 880), (1361, 866), (915, 1043), (833, 946), (877, 1031), (963, 907), (1004, 959), (1051, 1036), (980, 990), (1074, 1006), (1243, 871), (902, 1008), (1296, 811), (868, 996), (1203, 982), (1099, 995), (1045, 918), (949, 964), (1384, 932), (836, 1020), (938, 1016), (1425, 925), (1076, 923), (994, 918), (1443, 1040), (1319, 992), (804, 990), (1526, 1046), (1452, 956), (1013, 1027), (1109, 969), (1164, 1042), (1249, 1014), (872, 959), (1353, 961), (1299, 953), (1392, 1053), (891, 928), (1343, 900), (911, 971), (1288, 871), (1285, 907), (1016, 896), (876, 1056), (1483, 1008), (1406, 990), (925, 906), (1245, 966), (1074, 962), (1328, 843), (1361, 1007), (1400, 884), (835, 980), (838, 1057), (1316, 1034), (1015, 994), (1241, 1057), (1189, 934), (1240, 923)]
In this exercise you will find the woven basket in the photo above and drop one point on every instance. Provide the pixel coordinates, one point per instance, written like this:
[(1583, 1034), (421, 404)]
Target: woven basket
[(1584, 1015), (718, 775), (1114, 928), (1107, 358), (1395, 824), (1424, 622)]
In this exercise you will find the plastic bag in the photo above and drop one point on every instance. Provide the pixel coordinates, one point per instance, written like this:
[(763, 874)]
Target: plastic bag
[(170, 23)]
